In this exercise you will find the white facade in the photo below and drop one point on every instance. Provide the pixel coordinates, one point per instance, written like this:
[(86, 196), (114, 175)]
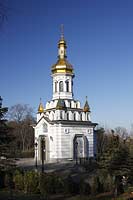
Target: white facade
[(64, 126)]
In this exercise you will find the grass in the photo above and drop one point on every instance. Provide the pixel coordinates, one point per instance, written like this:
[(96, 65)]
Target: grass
[(5, 195), (103, 196)]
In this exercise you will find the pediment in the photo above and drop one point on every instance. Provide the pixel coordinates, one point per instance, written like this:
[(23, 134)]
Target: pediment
[(42, 122)]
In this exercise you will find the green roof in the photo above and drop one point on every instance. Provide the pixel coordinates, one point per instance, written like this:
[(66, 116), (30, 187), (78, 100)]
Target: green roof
[(60, 104)]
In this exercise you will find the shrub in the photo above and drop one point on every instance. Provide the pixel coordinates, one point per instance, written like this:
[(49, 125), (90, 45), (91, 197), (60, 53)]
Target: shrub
[(108, 184), (2, 177), (31, 182), (95, 185), (50, 184), (18, 180), (85, 188), (72, 185), (9, 180)]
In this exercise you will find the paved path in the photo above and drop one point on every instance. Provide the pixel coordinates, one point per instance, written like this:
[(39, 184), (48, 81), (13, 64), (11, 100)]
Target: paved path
[(29, 163)]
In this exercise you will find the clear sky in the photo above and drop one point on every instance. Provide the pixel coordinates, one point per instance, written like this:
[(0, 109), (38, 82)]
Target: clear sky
[(99, 35)]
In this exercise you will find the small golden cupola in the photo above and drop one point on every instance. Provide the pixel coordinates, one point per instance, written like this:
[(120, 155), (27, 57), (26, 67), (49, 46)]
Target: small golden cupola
[(86, 106), (40, 107), (62, 65)]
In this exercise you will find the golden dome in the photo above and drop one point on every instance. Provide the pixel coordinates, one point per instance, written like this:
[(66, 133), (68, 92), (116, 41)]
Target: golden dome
[(62, 66), (40, 108)]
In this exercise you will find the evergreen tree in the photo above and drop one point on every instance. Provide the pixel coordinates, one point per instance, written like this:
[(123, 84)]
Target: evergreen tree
[(130, 160), (119, 165), (3, 128), (5, 137)]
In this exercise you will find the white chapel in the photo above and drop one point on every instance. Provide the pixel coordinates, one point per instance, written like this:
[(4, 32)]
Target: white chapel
[(63, 125)]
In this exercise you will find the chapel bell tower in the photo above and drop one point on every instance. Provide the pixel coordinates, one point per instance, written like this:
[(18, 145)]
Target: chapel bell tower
[(62, 73)]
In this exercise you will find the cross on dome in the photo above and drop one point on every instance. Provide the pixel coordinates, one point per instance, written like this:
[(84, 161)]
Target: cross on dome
[(62, 31)]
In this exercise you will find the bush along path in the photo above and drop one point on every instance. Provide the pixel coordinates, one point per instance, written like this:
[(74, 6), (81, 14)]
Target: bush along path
[(75, 184)]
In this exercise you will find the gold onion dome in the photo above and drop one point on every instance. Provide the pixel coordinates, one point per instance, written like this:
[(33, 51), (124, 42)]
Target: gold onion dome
[(86, 106), (60, 104), (62, 65), (40, 108)]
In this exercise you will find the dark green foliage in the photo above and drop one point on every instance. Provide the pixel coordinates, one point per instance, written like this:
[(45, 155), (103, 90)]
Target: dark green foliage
[(115, 162), (31, 182), (72, 185), (90, 178), (119, 162), (95, 185), (18, 180), (5, 141), (101, 142), (85, 188), (4, 131), (2, 176), (9, 180), (90, 165), (50, 184)]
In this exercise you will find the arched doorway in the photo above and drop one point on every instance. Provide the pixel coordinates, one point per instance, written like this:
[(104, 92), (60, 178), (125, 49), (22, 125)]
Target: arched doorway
[(43, 148), (80, 147)]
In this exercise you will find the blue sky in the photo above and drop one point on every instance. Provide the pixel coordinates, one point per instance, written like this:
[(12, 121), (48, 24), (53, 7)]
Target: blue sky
[(99, 35)]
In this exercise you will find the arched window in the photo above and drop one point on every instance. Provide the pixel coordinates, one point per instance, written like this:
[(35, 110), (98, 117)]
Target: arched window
[(55, 86), (52, 116), (67, 116), (67, 86), (61, 115), (74, 116), (45, 127), (81, 116), (61, 86)]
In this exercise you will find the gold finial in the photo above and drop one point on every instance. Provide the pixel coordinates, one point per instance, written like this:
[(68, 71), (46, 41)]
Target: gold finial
[(40, 108), (86, 106), (62, 31)]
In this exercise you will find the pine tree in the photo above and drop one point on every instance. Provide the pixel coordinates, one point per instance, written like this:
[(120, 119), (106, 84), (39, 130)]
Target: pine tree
[(130, 161), (3, 128), (119, 165), (5, 137)]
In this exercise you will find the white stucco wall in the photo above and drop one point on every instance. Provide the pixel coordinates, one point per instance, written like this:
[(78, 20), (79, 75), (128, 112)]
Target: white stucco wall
[(60, 140)]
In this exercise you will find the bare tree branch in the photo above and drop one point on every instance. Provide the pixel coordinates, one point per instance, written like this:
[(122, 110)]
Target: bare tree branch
[(3, 11)]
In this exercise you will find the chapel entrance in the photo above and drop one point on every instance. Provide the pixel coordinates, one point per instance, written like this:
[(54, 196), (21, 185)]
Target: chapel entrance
[(43, 148), (79, 147)]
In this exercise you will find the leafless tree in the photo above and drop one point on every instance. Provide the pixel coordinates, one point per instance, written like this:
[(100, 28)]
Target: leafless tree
[(122, 132), (131, 130), (20, 112), (3, 11), (101, 141), (21, 118)]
